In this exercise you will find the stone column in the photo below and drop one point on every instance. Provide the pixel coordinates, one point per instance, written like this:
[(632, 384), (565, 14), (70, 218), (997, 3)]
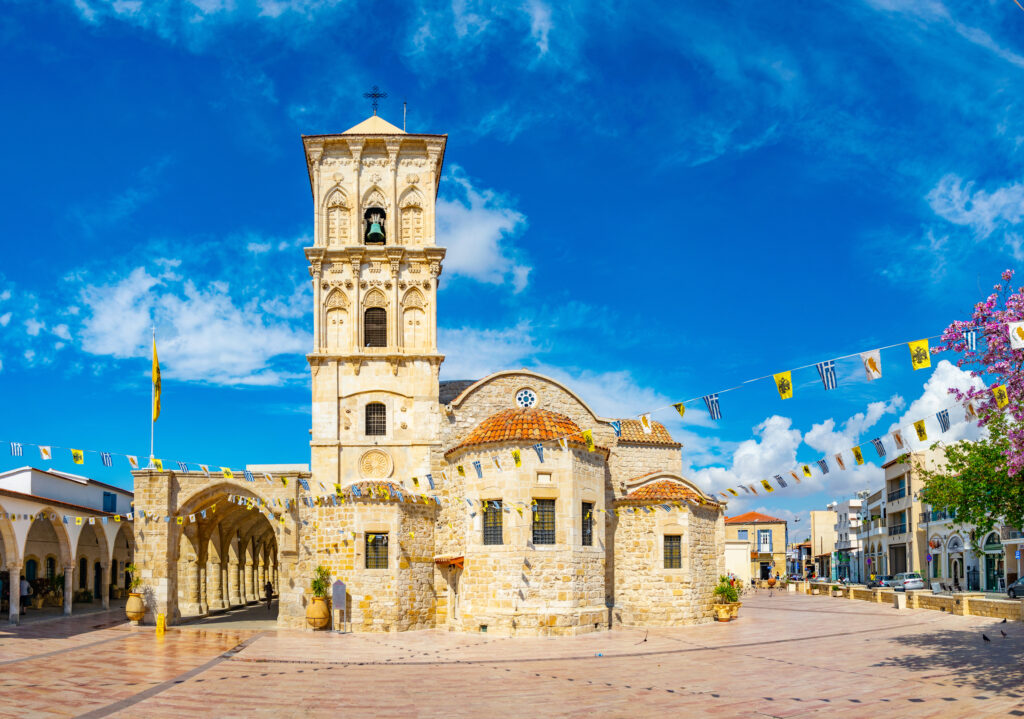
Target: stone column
[(250, 580), (215, 591), (69, 588), (192, 589), (14, 575), (105, 585), (204, 608), (234, 597)]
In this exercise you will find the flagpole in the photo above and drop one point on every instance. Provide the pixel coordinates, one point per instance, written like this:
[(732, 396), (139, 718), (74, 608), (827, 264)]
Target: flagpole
[(152, 397)]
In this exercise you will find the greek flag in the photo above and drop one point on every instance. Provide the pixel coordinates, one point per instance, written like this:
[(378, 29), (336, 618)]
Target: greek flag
[(105, 458), (304, 484), (248, 475), (827, 371), (16, 450), (399, 495), (971, 338), (479, 469), (711, 402), (540, 451), (823, 465), (430, 480), (182, 466), (617, 426), (780, 480), (879, 447), (943, 418)]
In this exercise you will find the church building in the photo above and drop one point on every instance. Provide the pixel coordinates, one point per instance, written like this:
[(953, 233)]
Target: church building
[(503, 504)]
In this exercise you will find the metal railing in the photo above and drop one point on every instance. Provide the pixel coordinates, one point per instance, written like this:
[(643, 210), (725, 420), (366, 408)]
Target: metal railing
[(897, 529), (897, 494), (937, 515)]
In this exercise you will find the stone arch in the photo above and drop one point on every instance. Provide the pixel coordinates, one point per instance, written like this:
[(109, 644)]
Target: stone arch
[(411, 225), (375, 320), (480, 384), (338, 219), (11, 551), (50, 517), (415, 331), (374, 197), (375, 298)]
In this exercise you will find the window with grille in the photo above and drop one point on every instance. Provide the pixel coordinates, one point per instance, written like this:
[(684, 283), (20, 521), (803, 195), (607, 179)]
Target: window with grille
[(673, 551), (492, 522), (376, 551), (588, 524), (109, 502), (376, 419), (51, 567), (544, 521), (375, 327)]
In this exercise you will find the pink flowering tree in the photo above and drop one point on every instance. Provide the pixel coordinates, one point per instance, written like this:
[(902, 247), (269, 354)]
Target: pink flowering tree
[(993, 359)]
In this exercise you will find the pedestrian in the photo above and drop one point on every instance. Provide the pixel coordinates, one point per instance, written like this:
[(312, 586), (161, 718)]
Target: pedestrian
[(26, 592), (268, 589)]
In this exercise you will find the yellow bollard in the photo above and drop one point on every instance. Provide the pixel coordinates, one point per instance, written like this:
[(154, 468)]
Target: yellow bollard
[(161, 624)]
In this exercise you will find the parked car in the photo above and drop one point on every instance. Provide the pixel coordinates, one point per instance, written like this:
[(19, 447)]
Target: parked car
[(907, 580), (880, 580), (1016, 589)]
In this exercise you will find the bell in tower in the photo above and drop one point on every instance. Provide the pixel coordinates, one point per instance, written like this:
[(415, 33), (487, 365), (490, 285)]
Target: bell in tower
[(374, 221)]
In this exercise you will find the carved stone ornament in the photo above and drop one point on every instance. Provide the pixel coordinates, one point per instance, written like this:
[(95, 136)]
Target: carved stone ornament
[(348, 284), (375, 298), (375, 464), (337, 299), (414, 299), (426, 284), (376, 177), (412, 179)]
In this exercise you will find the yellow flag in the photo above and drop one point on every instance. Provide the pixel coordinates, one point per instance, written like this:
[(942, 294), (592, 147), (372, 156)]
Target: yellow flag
[(156, 383), (858, 456), (919, 428), (159, 464), (78, 456), (517, 458), (807, 471), (180, 520), (764, 483), (78, 520), (462, 470), (784, 383), (520, 510), (588, 437), (733, 492), (680, 408), (920, 355), (999, 392), (227, 473)]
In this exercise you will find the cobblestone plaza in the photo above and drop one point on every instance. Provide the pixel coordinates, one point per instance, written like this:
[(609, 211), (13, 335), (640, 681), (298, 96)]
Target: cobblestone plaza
[(786, 657)]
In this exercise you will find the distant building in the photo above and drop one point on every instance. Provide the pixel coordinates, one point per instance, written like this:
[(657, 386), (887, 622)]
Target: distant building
[(767, 538), (823, 540), (847, 559)]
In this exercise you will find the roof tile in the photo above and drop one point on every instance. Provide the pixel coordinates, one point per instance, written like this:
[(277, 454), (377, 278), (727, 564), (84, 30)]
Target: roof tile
[(633, 432)]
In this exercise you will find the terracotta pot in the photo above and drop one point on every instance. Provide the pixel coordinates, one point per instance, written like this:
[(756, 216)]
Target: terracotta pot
[(723, 612), (735, 609), (771, 583), (135, 608), (318, 614)]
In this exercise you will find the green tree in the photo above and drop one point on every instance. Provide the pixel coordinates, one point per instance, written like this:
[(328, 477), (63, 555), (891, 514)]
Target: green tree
[(975, 484)]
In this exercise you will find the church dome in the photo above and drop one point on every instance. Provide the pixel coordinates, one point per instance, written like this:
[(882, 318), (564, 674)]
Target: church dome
[(522, 425)]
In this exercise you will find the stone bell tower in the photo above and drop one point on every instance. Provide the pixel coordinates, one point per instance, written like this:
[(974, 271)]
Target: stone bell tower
[(375, 268)]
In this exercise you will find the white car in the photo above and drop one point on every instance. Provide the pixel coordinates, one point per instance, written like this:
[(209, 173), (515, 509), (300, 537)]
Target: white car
[(907, 580)]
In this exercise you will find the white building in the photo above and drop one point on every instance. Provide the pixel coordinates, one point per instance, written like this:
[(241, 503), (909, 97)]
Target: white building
[(848, 560), (67, 535)]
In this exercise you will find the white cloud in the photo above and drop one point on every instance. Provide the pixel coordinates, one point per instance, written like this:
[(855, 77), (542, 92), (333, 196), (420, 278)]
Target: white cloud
[(5, 295), (474, 353), (258, 248), (774, 448), (478, 227), (33, 326), (540, 23), (5, 318), (30, 356), (202, 333), (982, 211), (62, 331)]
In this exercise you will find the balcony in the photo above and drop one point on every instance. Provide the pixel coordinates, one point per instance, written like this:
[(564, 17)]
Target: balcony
[(1006, 533), (897, 529), (937, 516), (897, 494)]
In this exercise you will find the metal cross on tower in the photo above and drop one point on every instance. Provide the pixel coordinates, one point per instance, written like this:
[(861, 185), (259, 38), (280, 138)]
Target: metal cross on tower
[(375, 94)]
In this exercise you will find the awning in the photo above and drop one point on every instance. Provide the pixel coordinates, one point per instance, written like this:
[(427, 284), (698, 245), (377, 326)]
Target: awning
[(446, 560)]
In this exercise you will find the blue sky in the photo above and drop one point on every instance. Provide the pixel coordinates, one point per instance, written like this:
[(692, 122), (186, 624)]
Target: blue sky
[(651, 201)]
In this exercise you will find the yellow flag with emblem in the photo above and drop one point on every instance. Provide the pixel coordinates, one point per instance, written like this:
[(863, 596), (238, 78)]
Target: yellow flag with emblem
[(461, 470), (517, 458), (919, 428), (764, 483), (588, 437), (156, 382), (680, 408), (158, 463), (807, 470), (784, 383), (920, 355), (226, 471), (858, 456), (78, 456), (1002, 398)]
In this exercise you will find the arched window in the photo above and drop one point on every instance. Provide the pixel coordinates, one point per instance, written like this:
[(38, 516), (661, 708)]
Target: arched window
[(376, 419), (374, 226), (375, 327)]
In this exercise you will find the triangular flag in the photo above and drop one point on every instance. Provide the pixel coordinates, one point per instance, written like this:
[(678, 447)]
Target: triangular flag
[(563, 443), (680, 408), (784, 383), (920, 355)]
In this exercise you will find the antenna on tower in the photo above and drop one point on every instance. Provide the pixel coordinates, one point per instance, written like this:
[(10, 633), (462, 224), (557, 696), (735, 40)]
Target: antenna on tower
[(405, 107)]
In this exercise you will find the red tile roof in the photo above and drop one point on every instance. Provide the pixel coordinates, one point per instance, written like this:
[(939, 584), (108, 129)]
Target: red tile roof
[(662, 490), (633, 432), (522, 425), (752, 518)]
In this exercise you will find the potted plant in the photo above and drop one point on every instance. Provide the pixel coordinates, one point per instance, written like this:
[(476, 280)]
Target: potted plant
[(318, 613), (771, 582), (134, 608), (727, 605), (837, 590)]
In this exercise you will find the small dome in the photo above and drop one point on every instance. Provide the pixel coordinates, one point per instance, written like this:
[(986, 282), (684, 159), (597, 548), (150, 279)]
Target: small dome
[(522, 425)]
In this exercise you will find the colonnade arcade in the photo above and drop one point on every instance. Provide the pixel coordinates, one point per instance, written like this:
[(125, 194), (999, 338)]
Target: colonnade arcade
[(226, 557), (92, 557)]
